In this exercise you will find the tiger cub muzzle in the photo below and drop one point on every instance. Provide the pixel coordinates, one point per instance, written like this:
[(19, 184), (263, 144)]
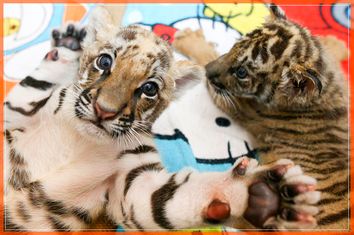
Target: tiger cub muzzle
[(234, 80), (213, 72), (117, 118)]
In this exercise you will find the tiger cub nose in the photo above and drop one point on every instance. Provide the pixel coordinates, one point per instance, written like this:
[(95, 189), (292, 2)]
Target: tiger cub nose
[(102, 113), (212, 71)]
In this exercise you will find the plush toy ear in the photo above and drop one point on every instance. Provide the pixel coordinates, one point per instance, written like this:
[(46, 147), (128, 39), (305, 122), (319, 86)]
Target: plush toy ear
[(100, 26), (276, 13), (186, 75), (299, 81)]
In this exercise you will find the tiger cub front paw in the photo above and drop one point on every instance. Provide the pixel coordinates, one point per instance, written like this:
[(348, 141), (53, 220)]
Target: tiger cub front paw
[(69, 37), (280, 195), (194, 45)]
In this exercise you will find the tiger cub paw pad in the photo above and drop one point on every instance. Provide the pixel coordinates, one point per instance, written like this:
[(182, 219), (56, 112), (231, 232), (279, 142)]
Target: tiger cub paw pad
[(282, 197), (244, 165), (71, 37)]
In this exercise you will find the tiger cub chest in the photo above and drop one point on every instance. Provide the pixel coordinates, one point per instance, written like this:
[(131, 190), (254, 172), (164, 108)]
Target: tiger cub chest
[(50, 145)]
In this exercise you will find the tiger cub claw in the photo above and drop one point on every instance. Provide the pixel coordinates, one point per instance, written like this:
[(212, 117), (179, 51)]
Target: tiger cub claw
[(244, 165), (280, 197)]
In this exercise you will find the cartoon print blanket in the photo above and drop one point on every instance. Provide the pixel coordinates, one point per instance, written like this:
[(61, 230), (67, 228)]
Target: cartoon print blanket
[(192, 132), (27, 27)]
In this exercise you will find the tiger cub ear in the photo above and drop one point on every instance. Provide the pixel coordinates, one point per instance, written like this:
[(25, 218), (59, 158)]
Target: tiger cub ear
[(100, 26), (276, 13), (301, 81)]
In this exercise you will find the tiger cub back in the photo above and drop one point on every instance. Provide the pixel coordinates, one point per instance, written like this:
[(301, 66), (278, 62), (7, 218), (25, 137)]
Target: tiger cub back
[(282, 85)]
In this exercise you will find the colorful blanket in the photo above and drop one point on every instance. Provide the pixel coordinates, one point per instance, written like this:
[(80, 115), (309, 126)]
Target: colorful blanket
[(27, 30), (27, 27)]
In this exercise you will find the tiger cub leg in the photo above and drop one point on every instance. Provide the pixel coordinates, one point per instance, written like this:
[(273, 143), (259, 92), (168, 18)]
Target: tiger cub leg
[(58, 67), (275, 196), (26, 200)]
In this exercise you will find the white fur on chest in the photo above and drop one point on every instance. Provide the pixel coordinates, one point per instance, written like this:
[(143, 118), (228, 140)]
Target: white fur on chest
[(52, 143)]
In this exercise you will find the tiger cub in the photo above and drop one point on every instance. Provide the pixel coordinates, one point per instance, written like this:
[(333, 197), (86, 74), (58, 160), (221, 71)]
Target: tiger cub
[(285, 89), (79, 150)]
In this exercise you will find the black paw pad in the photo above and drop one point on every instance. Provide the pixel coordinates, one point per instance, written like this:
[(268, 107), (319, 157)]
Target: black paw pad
[(277, 173), (293, 215), (71, 39), (291, 191), (55, 34), (70, 30), (263, 203), (82, 34), (289, 214)]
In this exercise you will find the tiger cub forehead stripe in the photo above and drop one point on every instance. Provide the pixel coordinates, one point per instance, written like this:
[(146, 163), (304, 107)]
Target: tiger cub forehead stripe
[(128, 34)]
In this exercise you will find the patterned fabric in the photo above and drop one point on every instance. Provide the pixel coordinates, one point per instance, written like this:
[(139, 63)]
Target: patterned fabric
[(181, 142), (27, 30), (27, 27)]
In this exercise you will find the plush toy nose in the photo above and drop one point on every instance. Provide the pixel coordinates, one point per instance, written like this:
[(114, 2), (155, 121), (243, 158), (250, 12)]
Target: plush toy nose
[(103, 113)]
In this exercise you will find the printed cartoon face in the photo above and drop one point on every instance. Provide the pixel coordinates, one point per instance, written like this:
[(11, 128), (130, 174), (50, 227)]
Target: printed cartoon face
[(230, 9), (244, 17)]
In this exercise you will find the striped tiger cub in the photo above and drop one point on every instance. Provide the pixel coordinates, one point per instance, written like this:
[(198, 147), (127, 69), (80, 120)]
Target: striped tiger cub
[(79, 149), (285, 88)]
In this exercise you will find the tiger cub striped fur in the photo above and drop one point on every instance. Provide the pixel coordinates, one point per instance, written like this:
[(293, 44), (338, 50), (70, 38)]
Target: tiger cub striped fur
[(283, 86), (79, 150)]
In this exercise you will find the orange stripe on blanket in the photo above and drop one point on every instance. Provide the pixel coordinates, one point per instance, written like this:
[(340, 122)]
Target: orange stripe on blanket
[(74, 12), (8, 86)]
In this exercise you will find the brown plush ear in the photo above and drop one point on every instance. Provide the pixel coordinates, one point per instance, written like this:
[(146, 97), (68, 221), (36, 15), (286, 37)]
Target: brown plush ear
[(301, 81), (276, 13)]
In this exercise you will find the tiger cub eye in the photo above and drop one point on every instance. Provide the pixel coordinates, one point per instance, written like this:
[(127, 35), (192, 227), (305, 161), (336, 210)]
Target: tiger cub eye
[(104, 62), (150, 89), (241, 72)]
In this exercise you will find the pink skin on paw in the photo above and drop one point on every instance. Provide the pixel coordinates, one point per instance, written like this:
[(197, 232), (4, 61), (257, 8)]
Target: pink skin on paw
[(52, 55), (217, 211), (241, 168)]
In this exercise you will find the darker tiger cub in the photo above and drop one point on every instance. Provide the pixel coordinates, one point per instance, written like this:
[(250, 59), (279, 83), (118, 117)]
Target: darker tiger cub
[(280, 83)]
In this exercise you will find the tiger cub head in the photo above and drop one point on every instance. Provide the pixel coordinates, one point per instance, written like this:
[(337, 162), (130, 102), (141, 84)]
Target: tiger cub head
[(279, 65), (126, 79)]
